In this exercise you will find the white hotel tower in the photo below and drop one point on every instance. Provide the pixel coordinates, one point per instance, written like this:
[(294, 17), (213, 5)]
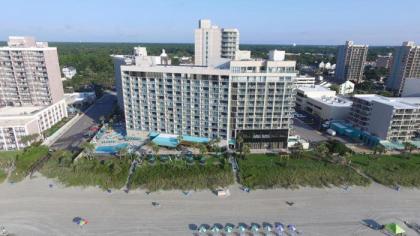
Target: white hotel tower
[(251, 98)]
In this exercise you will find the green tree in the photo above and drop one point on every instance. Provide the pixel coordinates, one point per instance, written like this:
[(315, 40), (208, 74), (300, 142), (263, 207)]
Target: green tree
[(335, 88), (88, 149)]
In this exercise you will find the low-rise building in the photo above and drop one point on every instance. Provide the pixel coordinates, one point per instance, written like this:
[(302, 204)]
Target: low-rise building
[(346, 88), (79, 100), (304, 80), (322, 102), (69, 72), (16, 122), (392, 119)]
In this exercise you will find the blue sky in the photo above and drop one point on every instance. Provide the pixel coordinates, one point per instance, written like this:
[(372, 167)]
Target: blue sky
[(374, 22)]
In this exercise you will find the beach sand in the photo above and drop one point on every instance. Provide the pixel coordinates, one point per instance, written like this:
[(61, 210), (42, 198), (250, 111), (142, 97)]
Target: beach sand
[(33, 208)]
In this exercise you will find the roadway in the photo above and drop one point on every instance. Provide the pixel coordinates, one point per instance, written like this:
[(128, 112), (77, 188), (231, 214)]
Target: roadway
[(73, 137)]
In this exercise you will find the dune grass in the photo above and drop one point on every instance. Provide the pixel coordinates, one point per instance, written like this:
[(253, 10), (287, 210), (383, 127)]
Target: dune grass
[(390, 170), (106, 174), (24, 160), (3, 176), (270, 171), (177, 174)]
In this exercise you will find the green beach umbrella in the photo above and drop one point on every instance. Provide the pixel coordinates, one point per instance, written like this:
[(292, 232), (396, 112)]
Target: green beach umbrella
[(202, 229), (228, 229), (215, 229), (241, 228), (394, 229), (255, 227), (268, 228)]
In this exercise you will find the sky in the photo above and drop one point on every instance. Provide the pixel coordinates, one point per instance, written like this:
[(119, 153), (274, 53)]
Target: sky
[(316, 22)]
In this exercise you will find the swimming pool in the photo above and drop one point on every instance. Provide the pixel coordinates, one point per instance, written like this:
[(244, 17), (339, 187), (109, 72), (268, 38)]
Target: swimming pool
[(110, 149)]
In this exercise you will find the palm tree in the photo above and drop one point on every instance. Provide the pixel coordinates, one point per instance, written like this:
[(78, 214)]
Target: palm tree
[(202, 148), (378, 148), (298, 149), (122, 152), (155, 147), (27, 139), (409, 146), (239, 142), (102, 119), (322, 150), (179, 138), (245, 150), (88, 149)]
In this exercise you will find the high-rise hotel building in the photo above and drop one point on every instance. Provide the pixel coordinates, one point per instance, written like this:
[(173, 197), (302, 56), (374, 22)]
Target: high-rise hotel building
[(251, 98), (31, 90), (29, 73), (213, 43), (351, 59), (406, 65)]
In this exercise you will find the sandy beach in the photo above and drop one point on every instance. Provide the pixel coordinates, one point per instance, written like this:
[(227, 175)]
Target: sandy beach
[(33, 208)]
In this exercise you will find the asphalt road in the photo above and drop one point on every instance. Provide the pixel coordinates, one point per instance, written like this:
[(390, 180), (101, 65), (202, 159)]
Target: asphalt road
[(74, 136), (307, 132)]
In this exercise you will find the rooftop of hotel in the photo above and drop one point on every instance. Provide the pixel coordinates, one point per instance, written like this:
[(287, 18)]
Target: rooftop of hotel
[(314, 88), (19, 111), (399, 103), (337, 101)]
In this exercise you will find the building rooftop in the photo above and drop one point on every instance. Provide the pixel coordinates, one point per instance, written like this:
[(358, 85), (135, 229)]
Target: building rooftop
[(20, 111), (336, 101), (399, 103), (315, 88)]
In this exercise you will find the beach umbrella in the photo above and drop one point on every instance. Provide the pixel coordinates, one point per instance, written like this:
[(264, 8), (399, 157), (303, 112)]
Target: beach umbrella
[(268, 228), (241, 228), (255, 227), (202, 229), (228, 229), (291, 228), (215, 229), (280, 228), (77, 219), (394, 229)]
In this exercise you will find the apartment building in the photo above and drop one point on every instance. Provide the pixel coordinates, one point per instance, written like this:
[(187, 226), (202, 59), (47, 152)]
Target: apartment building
[(254, 99), (304, 81), (389, 119), (322, 102), (213, 43), (406, 64), (16, 122), (384, 61), (29, 73), (351, 59)]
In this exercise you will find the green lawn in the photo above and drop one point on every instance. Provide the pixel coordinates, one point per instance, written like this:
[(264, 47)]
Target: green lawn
[(268, 171), (180, 175), (56, 127), (24, 160), (393, 170)]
